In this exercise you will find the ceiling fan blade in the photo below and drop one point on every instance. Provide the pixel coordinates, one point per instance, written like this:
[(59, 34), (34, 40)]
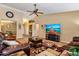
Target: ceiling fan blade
[(29, 11), (40, 12), (36, 14)]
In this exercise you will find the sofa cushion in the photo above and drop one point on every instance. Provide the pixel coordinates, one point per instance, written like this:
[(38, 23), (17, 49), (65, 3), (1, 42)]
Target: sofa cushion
[(45, 53), (48, 43), (53, 51), (22, 41), (60, 44)]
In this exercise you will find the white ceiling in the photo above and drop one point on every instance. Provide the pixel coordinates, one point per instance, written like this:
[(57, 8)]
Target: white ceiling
[(46, 7)]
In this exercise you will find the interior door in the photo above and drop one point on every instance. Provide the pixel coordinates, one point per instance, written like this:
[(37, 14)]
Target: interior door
[(9, 28)]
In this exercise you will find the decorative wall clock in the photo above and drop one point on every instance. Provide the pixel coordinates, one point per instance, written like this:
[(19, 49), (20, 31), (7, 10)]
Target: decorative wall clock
[(9, 14)]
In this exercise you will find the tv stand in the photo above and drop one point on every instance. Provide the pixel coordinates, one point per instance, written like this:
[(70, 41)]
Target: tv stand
[(53, 37)]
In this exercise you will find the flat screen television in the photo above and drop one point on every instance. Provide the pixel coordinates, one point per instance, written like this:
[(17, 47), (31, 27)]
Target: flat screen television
[(55, 27)]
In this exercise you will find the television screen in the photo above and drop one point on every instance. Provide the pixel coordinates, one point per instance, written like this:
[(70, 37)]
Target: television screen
[(55, 27)]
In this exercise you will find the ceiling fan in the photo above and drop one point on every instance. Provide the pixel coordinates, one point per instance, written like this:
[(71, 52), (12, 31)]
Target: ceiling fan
[(35, 11)]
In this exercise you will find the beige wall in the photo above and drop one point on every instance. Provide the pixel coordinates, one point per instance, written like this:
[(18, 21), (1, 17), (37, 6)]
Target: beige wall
[(18, 17), (67, 20)]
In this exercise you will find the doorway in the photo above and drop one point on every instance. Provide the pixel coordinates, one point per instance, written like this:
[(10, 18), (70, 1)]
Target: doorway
[(9, 28), (30, 30)]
